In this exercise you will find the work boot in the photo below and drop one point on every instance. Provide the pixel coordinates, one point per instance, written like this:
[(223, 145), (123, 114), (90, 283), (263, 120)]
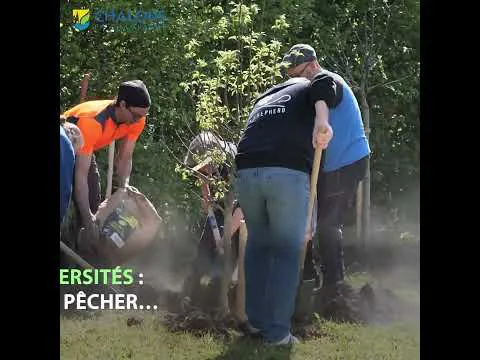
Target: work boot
[(249, 331)]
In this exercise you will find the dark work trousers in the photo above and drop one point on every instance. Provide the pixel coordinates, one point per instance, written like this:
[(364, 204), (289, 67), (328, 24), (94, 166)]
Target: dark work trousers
[(208, 262), (70, 233), (335, 191), (94, 190), (207, 257), (94, 198)]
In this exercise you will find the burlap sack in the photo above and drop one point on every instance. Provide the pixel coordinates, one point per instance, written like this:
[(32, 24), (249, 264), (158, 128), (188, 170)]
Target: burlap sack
[(128, 224)]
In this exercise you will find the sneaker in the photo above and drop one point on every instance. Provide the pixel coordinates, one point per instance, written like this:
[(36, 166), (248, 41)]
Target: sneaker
[(287, 340)]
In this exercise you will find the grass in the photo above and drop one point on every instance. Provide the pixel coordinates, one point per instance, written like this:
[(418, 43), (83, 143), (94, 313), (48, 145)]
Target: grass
[(106, 336)]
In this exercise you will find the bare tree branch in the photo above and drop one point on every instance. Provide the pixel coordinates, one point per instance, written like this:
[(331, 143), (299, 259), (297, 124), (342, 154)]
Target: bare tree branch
[(200, 175), (185, 120), (362, 49), (360, 42), (240, 51), (348, 69), (230, 132), (382, 41), (389, 82), (371, 43), (365, 51), (180, 162), (195, 195), (225, 97), (181, 140), (339, 49), (330, 62), (342, 66)]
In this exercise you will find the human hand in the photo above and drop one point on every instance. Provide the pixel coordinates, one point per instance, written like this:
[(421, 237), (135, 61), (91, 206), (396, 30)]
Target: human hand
[(91, 230), (322, 134), (308, 235)]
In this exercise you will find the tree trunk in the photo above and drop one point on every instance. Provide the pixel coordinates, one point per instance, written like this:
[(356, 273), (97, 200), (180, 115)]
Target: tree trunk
[(359, 212), (365, 184)]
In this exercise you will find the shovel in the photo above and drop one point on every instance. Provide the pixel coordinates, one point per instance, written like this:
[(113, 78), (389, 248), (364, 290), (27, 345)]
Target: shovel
[(304, 302), (240, 293), (217, 266)]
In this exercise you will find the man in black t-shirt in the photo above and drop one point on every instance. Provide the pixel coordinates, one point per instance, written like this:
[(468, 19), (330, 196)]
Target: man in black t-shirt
[(274, 161)]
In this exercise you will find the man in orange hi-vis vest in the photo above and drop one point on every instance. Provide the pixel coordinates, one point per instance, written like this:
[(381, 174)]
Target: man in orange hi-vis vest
[(102, 122)]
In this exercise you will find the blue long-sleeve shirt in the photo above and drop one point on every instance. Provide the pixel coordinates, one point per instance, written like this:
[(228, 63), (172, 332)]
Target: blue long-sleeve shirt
[(67, 162)]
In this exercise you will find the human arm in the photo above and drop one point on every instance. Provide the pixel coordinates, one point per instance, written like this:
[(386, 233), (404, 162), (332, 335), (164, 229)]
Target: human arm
[(237, 218), (124, 162), (91, 132), (126, 147), (325, 95), (322, 131), (81, 191)]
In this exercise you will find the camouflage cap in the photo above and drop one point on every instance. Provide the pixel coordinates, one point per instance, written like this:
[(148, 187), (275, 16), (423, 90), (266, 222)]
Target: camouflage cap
[(297, 55), (204, 142)]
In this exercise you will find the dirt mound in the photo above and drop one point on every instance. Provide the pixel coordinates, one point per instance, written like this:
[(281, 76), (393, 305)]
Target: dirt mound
[(307, 331), (342, 304), (365, 305), (134, 321), (198, 322)]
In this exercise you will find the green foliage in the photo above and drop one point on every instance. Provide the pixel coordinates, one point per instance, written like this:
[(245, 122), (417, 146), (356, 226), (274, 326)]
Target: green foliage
[(210, 60), (375, 46), (225, 81)]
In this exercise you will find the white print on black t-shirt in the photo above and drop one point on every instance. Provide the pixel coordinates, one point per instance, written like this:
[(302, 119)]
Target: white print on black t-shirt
[(269, 101), (274, 106), (259, 114)]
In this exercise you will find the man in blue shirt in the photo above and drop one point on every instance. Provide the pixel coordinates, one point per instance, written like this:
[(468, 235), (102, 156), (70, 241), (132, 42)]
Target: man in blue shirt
[(344, 162)]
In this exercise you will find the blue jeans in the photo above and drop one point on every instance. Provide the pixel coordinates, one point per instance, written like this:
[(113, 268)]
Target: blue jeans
[(274, 202)]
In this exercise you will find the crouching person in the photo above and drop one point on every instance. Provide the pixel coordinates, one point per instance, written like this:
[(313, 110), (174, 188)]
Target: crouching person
[(208, 264)]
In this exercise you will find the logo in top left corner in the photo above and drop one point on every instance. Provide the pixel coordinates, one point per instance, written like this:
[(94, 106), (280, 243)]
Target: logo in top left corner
[(81, 19)]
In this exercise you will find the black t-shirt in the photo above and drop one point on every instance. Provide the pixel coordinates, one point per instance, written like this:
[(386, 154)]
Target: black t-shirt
[(326, 86), (279, 128)]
